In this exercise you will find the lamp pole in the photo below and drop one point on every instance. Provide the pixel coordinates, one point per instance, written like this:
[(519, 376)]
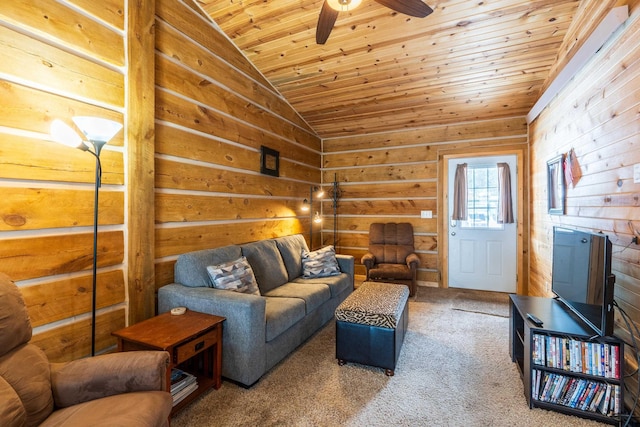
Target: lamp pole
[(97, 147), (98, 132)]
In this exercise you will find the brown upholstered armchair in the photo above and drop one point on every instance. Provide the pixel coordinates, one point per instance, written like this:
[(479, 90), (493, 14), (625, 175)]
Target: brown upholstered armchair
[(120, 389), (391, 257)]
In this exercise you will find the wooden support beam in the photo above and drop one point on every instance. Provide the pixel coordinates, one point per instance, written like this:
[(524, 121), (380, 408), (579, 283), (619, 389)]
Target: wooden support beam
[(140, 143)]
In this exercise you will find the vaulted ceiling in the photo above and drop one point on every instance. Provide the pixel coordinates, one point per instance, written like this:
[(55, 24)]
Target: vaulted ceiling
[(381, 70)]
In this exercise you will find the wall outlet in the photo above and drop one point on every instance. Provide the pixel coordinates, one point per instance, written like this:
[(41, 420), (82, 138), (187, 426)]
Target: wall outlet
[(426, 214)]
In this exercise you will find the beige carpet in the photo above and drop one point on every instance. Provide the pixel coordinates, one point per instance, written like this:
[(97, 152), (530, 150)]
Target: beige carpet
[(454, 370)]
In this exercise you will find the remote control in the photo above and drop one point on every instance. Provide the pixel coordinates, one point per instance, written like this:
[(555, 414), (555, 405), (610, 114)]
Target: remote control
[(534, 319)]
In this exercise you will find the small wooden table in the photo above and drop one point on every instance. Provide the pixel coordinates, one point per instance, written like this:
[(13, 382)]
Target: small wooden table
[(193, 339)]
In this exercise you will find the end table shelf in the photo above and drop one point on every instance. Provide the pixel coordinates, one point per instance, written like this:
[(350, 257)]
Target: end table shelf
[(193, 339)]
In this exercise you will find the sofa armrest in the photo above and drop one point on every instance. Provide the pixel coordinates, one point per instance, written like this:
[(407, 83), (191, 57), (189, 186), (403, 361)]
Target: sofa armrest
[(413, 261), (368, 260), (347, 265), (87, 379), (244, 330)]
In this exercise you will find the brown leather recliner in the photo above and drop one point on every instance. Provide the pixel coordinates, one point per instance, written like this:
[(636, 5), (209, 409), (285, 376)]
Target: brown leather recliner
[(109, 390), (391, 257)]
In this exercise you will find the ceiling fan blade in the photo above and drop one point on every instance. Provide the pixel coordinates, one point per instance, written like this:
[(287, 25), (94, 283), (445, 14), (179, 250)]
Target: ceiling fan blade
[(408, 7), (326, 20)]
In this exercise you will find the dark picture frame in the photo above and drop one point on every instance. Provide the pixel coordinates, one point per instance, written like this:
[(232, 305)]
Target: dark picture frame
[(269, 161), (556, 185)]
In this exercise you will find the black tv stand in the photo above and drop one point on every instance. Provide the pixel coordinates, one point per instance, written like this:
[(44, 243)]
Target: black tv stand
[(572, 363)]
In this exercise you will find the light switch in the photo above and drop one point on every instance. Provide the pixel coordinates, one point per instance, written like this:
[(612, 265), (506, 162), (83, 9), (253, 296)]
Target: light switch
[(636, 173), (426, 214)]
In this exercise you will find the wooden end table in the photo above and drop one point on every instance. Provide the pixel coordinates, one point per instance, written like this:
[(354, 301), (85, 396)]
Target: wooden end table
[(193, 339)]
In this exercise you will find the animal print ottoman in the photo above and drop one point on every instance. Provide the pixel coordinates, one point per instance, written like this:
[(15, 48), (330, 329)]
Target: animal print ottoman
[(371, 324)]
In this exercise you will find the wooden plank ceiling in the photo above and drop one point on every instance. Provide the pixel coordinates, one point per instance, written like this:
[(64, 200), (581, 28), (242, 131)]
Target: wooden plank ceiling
[(382, 71)]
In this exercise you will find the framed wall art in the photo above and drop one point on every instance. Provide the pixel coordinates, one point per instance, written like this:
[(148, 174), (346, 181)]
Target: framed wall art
[(556, 185), (269, 161)]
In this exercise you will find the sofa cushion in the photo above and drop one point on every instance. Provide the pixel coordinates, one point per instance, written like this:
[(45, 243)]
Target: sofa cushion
[(12, 413), (235, 275), (15, 328), (267, 264), (281, 314), (337, 284), (313, 294), (191, 268), (128, 409), (320, 263), (291, 248), (26, 370)]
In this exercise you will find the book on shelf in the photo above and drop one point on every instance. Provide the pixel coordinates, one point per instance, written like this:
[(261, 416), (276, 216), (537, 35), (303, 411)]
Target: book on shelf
[(180, 396), (182, 384)]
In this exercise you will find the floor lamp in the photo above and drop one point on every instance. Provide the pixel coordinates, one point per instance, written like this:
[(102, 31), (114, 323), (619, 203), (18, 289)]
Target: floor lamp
[(98, 132)]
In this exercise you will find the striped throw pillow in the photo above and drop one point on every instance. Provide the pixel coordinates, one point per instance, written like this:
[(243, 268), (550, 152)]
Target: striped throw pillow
[(320, 263), (236, 275)]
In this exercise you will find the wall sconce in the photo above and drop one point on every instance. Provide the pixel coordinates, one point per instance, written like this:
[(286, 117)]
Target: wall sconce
[(335, 193), (98, 132), (307, 206)]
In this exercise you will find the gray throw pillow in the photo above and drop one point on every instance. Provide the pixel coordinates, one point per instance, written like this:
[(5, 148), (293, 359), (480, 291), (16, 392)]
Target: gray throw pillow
[(320, 263), (235, 275)]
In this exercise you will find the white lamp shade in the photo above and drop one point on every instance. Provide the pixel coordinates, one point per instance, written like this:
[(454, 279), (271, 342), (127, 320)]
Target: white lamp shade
[(343, 5), (64, 134), (96, 128)]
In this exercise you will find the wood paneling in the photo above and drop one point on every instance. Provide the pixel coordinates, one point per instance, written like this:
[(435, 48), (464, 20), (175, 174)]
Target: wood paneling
[(596, 115), (382, 71), (173, 241), (38, 159), (72, 341), (34, 257), (213, 112), (39, 208), (59, 60), (191, 208), (41, 64), (60, 299), (391, 177), (59, 23)]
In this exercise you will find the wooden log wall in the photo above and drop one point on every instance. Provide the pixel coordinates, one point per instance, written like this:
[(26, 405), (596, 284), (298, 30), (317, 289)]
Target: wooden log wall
[(196, 136), (59, 60), (598, 116), (213, 113), (391, 177)]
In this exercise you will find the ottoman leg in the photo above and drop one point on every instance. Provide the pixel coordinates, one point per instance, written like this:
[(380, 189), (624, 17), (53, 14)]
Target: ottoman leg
[(389, 372)]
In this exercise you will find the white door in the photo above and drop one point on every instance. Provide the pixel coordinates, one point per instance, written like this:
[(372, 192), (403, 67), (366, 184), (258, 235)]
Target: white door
[(482, 252)]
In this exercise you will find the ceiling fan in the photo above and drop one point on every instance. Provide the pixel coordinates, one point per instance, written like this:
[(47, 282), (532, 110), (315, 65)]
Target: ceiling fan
[(330, 9)]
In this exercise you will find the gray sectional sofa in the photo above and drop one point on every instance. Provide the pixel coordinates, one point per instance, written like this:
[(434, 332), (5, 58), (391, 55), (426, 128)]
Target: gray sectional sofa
[(260, 330)]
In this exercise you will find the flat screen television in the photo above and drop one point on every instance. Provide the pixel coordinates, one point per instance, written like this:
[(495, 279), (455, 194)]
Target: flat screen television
[(581, 276)]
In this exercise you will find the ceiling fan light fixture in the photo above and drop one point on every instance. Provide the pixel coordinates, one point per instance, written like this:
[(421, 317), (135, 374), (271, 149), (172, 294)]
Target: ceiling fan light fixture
[(343, 5)]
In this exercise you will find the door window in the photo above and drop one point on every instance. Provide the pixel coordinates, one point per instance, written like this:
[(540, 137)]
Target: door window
[(482, 198)]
